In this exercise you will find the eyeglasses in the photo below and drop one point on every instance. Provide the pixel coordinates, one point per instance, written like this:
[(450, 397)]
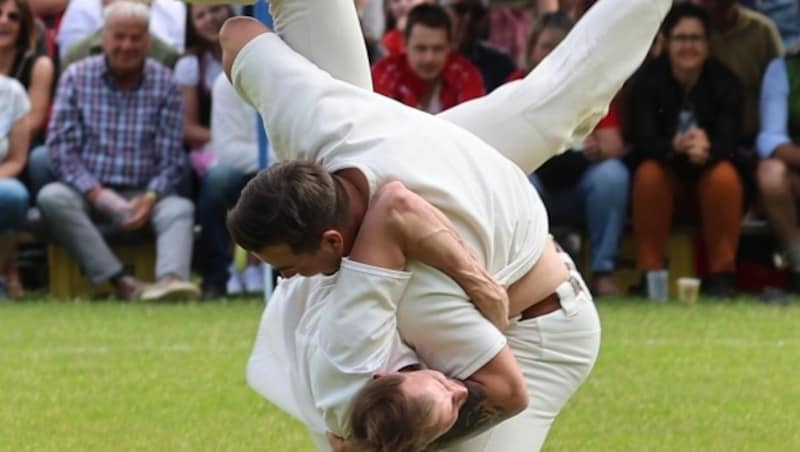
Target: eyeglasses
[(688, 38), (12, 16)]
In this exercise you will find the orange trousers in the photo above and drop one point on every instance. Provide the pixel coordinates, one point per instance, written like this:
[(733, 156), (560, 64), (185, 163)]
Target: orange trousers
[(717, 195)]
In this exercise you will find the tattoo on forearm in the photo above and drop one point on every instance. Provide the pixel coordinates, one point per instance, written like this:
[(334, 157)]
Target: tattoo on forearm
[(476, 416)]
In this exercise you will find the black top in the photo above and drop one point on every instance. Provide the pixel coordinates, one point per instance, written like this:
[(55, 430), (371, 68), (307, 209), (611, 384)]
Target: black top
[(494, 65), (655, 104)]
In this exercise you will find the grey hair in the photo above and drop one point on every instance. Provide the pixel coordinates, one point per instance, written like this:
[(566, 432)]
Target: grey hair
[(129, 9)]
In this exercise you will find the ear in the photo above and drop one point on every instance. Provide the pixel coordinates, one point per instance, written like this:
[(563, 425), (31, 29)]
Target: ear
[(334, 240)]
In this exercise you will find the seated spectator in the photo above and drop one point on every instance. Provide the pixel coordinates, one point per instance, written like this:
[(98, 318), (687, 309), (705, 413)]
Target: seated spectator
[(20, 59), (115, 146), (786, 16), (84, 17), (195, 74), (14, 136), (685, 113), (779, 146), (234, 141), (394, 39), (470, 18), (745, 41), (588, 184), (429, 76), (93, 45)]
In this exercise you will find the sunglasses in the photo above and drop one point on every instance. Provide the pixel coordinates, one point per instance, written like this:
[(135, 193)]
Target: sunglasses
[(12, 16)]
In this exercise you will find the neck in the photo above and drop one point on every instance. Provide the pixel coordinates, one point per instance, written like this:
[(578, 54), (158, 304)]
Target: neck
[(687, 78), (356, 189), (127, 81)]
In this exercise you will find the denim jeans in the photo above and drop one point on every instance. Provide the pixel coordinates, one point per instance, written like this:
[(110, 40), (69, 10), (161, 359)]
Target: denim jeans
[(219, 190), (600, 201), (13, 205), (38, 170)]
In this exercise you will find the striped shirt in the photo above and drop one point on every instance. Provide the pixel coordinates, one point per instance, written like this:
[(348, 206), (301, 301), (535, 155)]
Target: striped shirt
[(101, 135)]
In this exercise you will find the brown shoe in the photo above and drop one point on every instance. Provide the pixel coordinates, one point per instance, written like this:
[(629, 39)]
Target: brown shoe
[(604, 285), (128, 288), (171, 288)]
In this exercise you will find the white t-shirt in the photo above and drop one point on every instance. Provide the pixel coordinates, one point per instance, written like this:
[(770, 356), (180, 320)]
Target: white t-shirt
[(14, 104), (311, 116), (303, 357)]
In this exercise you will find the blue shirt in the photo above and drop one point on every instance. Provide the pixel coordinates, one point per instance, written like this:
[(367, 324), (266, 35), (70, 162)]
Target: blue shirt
[(101, 135), (774, 109)]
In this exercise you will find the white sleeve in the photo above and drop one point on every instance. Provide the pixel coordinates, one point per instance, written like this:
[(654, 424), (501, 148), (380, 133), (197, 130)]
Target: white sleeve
[(446, 331), (357, 334), (187, 71)]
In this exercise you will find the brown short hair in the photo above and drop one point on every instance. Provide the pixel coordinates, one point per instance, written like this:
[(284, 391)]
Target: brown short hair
[(289, 203), (384, 419)]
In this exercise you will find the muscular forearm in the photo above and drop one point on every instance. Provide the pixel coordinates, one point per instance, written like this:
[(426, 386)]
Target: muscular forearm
[(496, 392), (477, 415), (429, 237)]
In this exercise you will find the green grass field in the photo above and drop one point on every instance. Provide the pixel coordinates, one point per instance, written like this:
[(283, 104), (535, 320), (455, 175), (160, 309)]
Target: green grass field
[(121, 377)]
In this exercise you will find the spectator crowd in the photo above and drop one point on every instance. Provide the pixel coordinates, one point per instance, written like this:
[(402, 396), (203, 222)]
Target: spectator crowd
[(117, 124)]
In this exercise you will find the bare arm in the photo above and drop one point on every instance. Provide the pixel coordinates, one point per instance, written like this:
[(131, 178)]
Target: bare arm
[(194, 133), (39, 93), (400, 225), (497, 392), (14, 162)]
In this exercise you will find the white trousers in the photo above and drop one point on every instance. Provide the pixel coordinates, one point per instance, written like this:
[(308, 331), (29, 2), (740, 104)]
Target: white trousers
[(556, 353), (528, 120)]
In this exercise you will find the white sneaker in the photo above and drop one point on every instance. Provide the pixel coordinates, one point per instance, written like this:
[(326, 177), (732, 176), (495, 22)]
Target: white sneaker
[(253, 279), (234, 286), (171, 288)]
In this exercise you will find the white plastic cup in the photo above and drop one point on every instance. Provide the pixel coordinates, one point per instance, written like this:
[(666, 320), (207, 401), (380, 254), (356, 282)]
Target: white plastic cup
[(658, 285), (688, 290)]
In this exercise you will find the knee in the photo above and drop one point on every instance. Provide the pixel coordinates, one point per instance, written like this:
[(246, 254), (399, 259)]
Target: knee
[(609, 176), (772, 177), (175, 208), (650, 175), (235, 33), (57, 196), (13, 199), (220, 182), (723, 176)]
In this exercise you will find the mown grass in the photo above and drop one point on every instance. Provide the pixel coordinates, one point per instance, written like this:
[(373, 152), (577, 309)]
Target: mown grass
[(129, 377)]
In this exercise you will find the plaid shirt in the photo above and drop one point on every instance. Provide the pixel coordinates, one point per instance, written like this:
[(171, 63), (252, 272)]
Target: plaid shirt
[(100, 135), (461, 81)]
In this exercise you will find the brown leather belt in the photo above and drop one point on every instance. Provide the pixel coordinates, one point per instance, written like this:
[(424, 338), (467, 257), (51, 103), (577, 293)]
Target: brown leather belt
[(549, 304)]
